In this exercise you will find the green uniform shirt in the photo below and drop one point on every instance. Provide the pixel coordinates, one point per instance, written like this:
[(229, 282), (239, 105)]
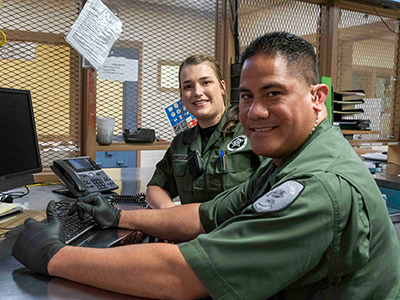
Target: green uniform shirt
[(172, 173), (316, 227)]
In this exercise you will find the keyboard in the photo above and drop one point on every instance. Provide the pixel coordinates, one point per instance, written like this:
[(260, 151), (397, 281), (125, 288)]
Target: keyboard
[(137, 199), (73, 226)]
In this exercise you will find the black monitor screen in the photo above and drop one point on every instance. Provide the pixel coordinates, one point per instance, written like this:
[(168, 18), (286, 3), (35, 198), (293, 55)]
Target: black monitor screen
[(19, 150)]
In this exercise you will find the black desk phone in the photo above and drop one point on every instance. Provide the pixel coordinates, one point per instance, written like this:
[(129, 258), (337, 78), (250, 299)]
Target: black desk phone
[(82, 176)]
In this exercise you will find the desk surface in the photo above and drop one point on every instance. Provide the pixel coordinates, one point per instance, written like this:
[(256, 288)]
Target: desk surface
[(17, 282)]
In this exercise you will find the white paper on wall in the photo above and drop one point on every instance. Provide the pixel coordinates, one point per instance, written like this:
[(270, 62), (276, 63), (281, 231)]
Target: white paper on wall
[(94, 32)]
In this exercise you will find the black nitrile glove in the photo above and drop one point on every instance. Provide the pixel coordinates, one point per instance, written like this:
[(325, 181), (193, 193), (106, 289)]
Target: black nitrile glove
[(98, 207), (39, 242)]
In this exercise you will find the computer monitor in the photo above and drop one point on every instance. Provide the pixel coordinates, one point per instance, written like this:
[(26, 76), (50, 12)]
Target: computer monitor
[(19, 149)]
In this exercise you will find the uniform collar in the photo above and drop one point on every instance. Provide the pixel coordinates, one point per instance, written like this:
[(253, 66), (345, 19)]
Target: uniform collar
[(320, 129), (190, 135)]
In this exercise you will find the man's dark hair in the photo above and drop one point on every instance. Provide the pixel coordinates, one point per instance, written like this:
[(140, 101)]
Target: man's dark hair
[(298, 52)]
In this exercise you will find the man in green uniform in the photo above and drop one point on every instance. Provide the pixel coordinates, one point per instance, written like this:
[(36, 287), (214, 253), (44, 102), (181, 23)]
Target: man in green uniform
[(309, 224)]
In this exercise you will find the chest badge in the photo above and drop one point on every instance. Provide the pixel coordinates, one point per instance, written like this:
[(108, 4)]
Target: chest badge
[(238, 143), (279, 198)]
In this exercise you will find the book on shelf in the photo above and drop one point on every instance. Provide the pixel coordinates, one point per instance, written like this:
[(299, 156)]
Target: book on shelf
[(352, 93), (350, 107), (351, 101), (349, 111)]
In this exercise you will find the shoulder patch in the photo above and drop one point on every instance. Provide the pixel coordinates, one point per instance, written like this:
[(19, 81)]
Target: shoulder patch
[(238, 143), (279, 198)]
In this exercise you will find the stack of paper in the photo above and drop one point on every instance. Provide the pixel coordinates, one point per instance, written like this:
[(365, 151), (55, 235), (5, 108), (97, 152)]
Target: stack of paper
[(345, 102), (8, 208)]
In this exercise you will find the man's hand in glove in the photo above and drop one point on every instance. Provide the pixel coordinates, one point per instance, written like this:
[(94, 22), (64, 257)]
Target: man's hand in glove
[(39, 242), (98, 207)]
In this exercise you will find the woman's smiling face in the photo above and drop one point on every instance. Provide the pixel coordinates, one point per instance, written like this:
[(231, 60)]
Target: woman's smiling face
[(202, 93)]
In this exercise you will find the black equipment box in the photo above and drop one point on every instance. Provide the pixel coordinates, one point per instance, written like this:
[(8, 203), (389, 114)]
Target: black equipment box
[(141, 135)]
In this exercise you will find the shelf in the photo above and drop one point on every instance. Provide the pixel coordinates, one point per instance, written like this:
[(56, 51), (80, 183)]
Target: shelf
[(122, 146), (345, 131), (372, 142)]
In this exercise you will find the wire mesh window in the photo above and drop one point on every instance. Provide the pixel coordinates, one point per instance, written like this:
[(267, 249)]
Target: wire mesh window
[(159, 35), (367, 57), (259, 17), (367, 60), (37, 58)]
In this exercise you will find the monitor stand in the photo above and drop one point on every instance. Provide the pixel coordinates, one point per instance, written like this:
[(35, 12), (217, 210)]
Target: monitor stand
[(16, 182)]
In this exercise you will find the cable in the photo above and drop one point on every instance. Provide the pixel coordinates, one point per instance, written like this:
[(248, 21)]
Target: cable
[(236, 31), (43, 184), (16, 194), (384, 21), (22, 194), (234, 15), (232, 12), (390, 163)]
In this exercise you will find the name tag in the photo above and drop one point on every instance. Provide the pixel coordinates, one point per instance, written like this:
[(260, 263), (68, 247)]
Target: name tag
[(178, 157)]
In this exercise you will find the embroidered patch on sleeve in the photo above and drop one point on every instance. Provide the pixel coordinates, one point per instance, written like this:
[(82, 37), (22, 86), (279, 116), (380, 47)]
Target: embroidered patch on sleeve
[(279, 198)]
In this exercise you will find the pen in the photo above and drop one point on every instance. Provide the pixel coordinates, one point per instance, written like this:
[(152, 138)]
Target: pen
[(222, 159)]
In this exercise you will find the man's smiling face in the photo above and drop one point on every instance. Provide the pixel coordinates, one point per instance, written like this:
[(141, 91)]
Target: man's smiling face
[(276, 108)]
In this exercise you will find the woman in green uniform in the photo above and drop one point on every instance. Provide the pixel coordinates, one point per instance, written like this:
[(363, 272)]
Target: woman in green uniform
[(212, 156)]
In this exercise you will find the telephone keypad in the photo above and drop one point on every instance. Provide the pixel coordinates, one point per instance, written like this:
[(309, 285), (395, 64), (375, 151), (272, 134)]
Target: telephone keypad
[(98, 180), (99, 183)]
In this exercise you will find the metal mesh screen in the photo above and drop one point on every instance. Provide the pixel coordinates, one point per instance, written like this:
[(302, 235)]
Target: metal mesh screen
[(367, 60), (257, 17), (37, 58), (159, 34)]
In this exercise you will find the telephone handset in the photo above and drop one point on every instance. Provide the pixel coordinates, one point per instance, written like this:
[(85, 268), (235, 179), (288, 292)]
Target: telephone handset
[(82, 176)]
